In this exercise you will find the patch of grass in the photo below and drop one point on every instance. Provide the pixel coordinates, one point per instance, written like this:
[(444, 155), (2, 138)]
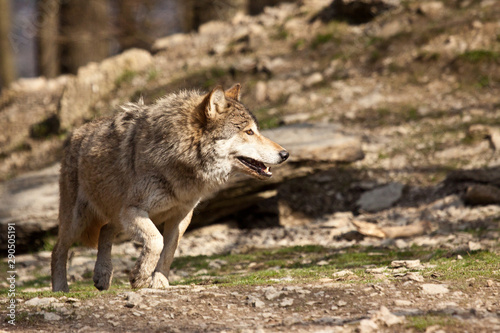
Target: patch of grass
[(80, 289), (49, 241), (153, 74), (480, 265), (421, 323), (321, 39), (281, 34), (299, 44), (126, 77), (266, 120), (478, 56), (299, 263)]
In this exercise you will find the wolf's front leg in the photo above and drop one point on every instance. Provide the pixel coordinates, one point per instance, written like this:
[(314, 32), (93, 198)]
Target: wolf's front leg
[(103, 271), (143, 230), (173, 231)]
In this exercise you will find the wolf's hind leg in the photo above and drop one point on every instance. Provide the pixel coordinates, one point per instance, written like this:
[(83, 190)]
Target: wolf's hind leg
[(172, 233), (71, 226), (103, 271), (142, 229)]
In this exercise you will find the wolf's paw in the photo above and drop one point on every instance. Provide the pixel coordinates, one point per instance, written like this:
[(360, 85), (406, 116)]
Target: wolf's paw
[(159, 281), (140, 281), (102, 279)]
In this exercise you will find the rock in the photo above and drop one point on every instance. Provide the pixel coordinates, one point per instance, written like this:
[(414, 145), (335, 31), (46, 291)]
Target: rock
[(271, 293), (385, 317), (414, 276), (317, 142), (313, 79), (133, 299), (260, 91), (368, 326), (341, 303), (381, 197), (402, 302), (51, 316), (482, 195), (31, 202), (321, 143), (45, 301), (434, 289), (344, 274), (474, 246), (170, 42), (95, 81), (405, 263), (286, 302), (431, 8), (255, 302)]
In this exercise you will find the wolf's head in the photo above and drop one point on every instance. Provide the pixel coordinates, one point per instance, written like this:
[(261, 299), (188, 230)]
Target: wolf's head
[(235, 137)]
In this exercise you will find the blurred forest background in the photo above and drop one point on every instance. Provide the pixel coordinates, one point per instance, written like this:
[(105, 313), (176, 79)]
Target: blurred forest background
[(52, 37)]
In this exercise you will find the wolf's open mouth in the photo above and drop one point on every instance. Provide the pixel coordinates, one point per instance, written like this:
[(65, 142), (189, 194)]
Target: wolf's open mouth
[(256, 166)]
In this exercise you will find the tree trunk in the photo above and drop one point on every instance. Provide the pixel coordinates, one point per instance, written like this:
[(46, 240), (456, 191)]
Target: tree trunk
[(8, 72), (48, 38), (86, 33)]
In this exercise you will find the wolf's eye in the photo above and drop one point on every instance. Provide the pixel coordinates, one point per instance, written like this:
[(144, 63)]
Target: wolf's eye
[(249, 132)]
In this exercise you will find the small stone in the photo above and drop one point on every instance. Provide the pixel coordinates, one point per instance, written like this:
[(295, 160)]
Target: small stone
[(380, 198), (490, 283), (322, 263), (255, 302), (474, 246), (378, 270), (368, 326), (341, 303), (261, 91), (286, 302), (386, 317), (271, 293), (45, 301), (133, 299), (413, 276), (342, 274), (434, 289), (459, 257), (405, 263), (51, 316), (313, 79), (401, 244), (402, 302)]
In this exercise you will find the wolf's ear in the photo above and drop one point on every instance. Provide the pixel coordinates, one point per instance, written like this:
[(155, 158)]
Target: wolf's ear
[(216, 102), (234, 92)]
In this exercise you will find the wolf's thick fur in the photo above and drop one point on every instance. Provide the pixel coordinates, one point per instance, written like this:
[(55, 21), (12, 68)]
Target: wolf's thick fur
[(148, 167)]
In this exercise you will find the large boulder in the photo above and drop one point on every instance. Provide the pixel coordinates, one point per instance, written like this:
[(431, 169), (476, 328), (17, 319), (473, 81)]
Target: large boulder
[(31, 201), (96, 80)]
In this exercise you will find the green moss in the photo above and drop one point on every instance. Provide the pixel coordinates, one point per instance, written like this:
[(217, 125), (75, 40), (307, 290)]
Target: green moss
[(126, 77), (478, 56), (321, 39), (421, 323)]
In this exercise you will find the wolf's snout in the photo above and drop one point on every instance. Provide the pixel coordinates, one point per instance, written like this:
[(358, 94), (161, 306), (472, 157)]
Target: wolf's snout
[(284, 155)]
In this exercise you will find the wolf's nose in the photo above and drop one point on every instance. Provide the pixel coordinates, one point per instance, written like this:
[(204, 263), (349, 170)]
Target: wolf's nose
[(284, 155)]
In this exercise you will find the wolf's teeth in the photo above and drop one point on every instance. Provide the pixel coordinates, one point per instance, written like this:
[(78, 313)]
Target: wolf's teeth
[(267, 170)]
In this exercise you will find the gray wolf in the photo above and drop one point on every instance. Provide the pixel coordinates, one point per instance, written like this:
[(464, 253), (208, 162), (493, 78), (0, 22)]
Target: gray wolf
[(143, 171)]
